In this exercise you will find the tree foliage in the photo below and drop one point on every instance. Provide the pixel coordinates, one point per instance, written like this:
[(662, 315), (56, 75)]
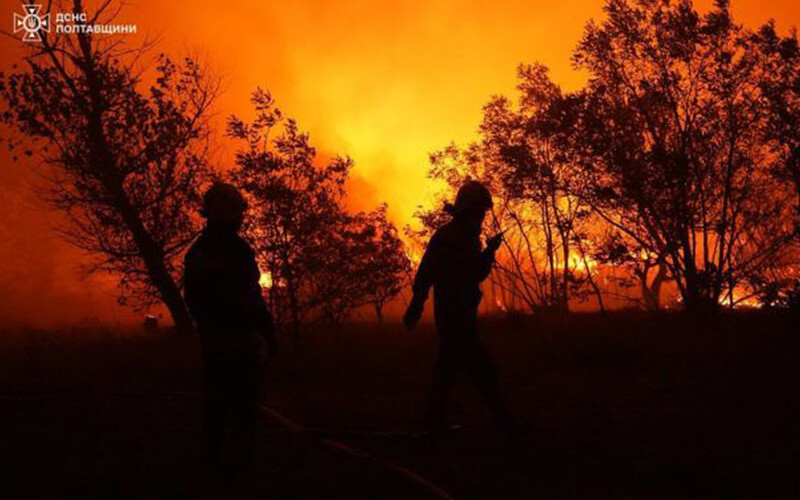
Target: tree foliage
[(123, 160), (675, 153), (323, 261), (677, 162)]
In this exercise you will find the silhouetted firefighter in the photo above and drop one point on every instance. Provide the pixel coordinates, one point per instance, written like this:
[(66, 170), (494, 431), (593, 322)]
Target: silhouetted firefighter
[(455, 265), (224, 297)]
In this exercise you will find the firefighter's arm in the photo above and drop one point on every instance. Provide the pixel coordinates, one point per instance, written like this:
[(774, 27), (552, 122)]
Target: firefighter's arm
[(487, 255), (422, 284)]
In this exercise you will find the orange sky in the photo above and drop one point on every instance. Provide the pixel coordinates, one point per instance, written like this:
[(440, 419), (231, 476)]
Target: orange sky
[(386, 82)]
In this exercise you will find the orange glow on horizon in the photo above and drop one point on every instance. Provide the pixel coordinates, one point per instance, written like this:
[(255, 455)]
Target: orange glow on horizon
[(390, 82), (385, 82)]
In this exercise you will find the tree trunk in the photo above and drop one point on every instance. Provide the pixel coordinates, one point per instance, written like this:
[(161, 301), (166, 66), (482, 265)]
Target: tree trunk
[(652, 293), (695, 295), (294, 308), (565, 274), (108, 173), (153, 257)]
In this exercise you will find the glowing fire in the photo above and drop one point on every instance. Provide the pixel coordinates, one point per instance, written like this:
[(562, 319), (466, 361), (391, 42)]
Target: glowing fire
[(265, 280), (739, 302)]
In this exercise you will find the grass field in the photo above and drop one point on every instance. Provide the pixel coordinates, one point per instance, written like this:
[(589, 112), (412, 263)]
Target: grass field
[(623, 405)]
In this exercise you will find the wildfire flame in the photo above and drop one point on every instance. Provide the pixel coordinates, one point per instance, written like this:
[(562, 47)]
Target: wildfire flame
[(265, 280)]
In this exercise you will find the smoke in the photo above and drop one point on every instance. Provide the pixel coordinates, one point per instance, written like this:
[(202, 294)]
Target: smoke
[(384, 82)]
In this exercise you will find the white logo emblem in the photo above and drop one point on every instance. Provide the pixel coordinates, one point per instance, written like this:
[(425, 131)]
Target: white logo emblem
[(31, 23)]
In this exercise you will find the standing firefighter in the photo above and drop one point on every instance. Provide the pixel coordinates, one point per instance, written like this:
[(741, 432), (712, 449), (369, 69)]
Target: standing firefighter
[(222, 291), (454, 265)]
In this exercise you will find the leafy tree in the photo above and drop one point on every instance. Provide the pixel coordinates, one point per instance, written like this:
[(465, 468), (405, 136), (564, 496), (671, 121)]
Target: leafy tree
[(675, 154), (123, 163), (382, 260), (324, 262), (522, 158), (365, 264), (781, 88)]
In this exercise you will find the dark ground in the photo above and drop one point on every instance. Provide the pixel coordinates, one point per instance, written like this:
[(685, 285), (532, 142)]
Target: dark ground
[(618, 406)]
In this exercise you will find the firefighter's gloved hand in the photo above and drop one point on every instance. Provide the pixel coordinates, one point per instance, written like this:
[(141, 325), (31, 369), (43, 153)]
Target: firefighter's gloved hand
[(493, 243), (413, 313)]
